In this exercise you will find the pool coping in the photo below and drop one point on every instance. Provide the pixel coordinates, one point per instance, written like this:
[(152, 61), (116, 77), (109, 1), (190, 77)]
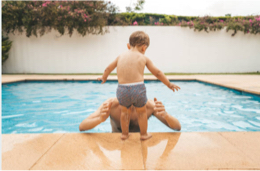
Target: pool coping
[(201, 78)]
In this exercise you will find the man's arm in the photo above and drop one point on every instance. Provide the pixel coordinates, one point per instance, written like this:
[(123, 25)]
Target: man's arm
[(99, 116), (164, 117), (108, 70), (160, 75)]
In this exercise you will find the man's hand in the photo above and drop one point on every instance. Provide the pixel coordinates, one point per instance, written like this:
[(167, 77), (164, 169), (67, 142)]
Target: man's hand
[(173, 87), (102, 79), (105, 111), (159, 108)]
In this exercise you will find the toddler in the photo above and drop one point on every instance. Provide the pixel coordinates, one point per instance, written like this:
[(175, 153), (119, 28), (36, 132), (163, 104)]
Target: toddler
[(131, 89)]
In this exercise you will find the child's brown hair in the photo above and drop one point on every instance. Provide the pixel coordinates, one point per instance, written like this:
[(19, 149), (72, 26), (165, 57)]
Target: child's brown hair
[(139, 38)]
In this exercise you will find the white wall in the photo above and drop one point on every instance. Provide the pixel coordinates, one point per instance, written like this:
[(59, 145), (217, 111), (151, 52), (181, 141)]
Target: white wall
[(172, 49)]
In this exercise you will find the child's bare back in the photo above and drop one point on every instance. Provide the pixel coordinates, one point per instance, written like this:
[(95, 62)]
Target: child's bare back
[(130, 67)]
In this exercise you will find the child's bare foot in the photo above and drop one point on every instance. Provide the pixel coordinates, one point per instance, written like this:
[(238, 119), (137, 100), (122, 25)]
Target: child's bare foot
[(124, 137), (146, 136)]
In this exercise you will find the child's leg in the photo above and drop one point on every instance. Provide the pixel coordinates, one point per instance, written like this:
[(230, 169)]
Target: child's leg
[(124, 121), (142, 121)]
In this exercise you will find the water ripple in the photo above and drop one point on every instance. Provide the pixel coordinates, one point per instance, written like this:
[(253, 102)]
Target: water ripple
[(58, 107)]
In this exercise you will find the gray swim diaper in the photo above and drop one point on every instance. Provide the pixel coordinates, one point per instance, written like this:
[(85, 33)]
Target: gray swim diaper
[(134, 93)]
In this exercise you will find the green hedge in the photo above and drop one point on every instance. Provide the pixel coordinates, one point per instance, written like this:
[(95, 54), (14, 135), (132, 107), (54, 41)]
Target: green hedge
[(91, 17)]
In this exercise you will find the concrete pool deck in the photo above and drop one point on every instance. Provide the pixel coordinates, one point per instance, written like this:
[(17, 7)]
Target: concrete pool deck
[(177, 150)]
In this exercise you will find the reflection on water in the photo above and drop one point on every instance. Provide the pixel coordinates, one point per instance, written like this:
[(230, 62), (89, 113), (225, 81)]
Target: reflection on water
[(120, 154), (161, 144)]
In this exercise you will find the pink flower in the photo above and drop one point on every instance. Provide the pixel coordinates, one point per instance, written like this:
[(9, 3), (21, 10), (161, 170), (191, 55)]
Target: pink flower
[(44, 5), (85, 20), (85, 16), (221, 21), (61, 6), (179, 24), (155, 23), (135, 23), (161, 23), (188, 22), (250, 20)]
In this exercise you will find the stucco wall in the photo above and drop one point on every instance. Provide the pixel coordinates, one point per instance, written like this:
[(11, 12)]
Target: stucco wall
[(172, 49)]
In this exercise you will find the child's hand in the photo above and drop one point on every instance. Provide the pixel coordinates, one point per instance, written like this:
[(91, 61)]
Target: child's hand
[(173, 87), (102, 79), (105, 111), (159, 108)]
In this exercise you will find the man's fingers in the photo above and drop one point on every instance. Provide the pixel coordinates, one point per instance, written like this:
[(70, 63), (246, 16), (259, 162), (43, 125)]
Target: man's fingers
[(155, 99), (109, 105), (159, 105), (159, 108), (103, 113), (161, 113), (158, 102), (105, 110)]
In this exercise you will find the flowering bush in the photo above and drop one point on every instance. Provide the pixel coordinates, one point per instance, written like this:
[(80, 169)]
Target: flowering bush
[(158, 23), (38, 17), (135, 23), (249, 24), (92, 17)]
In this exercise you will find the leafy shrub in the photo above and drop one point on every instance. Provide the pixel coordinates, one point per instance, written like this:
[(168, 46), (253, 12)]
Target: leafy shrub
[(6, 45), (87, 17)]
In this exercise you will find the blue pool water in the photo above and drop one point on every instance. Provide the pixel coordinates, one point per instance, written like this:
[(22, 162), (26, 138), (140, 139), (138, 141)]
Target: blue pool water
[(60, 106)]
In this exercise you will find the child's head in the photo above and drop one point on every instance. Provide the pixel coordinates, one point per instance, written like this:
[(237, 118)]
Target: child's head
[(139, 40)]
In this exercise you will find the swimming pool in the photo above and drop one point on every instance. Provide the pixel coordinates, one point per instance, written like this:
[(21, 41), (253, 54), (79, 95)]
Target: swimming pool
[(60, 106)]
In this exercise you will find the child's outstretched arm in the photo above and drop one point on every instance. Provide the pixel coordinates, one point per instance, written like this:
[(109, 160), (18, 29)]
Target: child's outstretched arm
[(108, 70), (160, 75)]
